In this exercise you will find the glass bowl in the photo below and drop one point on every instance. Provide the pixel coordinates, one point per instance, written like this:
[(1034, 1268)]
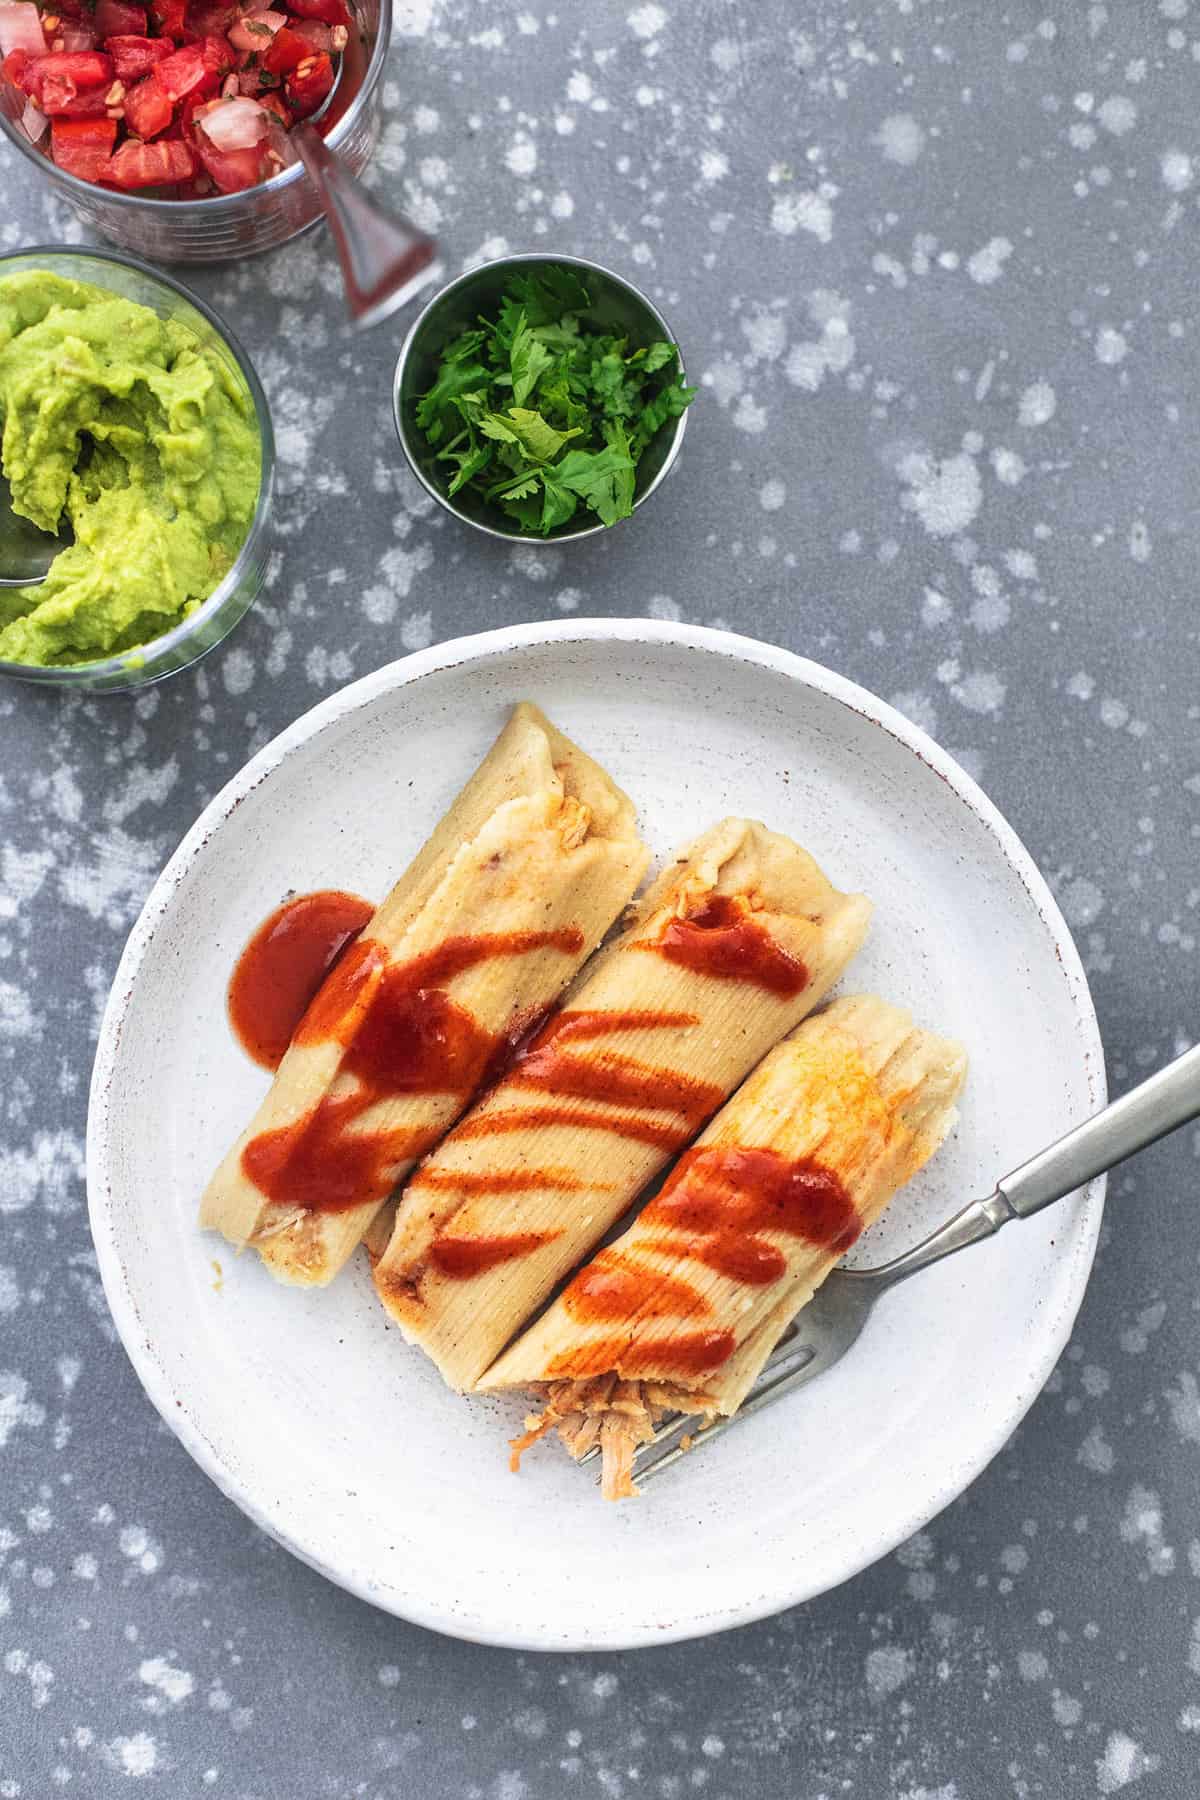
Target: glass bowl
[(616, 306), (231, 225), (216, 616)]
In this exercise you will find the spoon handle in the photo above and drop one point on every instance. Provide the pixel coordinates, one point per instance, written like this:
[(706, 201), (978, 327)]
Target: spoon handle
[(385, 259)]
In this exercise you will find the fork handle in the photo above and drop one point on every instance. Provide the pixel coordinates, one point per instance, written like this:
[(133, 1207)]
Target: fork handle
[(1147, 1112)]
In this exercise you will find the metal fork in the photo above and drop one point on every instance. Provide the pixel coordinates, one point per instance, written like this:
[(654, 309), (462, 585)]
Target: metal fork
[(835, 1316)]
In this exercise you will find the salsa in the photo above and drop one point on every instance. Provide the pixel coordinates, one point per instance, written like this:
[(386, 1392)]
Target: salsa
[(189, 98)]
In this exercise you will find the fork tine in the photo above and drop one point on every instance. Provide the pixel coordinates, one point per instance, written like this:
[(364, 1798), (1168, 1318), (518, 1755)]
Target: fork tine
[(785, 1348), (771, 1385)]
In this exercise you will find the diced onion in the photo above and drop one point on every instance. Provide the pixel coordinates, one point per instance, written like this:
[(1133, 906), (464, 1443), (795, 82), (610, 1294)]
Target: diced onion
[(75, 37), (235, 124), (34, 122), (250, 32), (21, 28)]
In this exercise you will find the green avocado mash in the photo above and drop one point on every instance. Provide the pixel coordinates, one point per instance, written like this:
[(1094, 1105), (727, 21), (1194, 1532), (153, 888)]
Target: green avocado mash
[(143, 437)]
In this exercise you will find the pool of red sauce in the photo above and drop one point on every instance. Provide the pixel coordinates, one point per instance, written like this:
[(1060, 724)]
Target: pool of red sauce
[(712, 1209), (285, 963), (400, 1035), (725, 938)]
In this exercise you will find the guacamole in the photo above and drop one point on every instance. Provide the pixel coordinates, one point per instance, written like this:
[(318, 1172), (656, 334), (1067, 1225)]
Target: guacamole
[(142, 436)]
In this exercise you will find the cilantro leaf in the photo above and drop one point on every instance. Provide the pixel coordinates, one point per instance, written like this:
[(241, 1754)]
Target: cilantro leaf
[(558, 503), (549, 292), (657, 356), (603, 479), (470, 463), (528, 360), (453, 379)]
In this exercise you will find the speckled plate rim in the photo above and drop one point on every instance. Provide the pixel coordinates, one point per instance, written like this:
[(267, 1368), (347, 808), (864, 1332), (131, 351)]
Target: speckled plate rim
[(412, 1602)]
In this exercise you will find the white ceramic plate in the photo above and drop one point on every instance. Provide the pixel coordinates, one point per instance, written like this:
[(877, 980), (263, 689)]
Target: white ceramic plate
[(308, 1410)]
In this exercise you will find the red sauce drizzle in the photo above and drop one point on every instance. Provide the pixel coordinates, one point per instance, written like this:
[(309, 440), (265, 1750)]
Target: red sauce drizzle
[(710, 1211), (525, 1118), (608, 1077), (717, 1200), (285, 963), (401, 1035), (684, 1353), (500, 1181), (463, 1257), (618, 1286), (724, 938)]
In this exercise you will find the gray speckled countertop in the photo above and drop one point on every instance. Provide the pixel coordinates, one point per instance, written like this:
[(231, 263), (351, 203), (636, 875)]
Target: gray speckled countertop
[(935, 267)]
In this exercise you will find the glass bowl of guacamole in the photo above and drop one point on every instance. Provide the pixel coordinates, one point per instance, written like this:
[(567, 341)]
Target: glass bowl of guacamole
[(135, 429)]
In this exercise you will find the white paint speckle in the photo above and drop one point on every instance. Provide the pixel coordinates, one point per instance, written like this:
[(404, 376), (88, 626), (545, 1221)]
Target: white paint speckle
[(1117, 114), (170, 1685), (804, 211), (987, 264), (1124, 1761), (980, 691), (1096, 1453), (647, 21), (887, 1669), (521, 157), (1178, 172), (772, 494), (944, 495), (135, 1756), (900, 139), (1009, 466), (1111, 346), (1038, 404)]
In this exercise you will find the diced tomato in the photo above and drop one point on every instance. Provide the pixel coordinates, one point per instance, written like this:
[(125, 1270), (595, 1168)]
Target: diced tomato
[(333, 12), (13, 68), (134, 57), (231, 170), (208, 18), (308, 84), (82, 146), (119, 18), (147, 109), (60, 99), (190, 69), (137, 165), (86, 70), (275, 103), (285, 51), (169, 16), (218, 54)]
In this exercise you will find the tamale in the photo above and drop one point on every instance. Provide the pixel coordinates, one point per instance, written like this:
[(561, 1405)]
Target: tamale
[(517, 885), (732, 945), (681, 1312)]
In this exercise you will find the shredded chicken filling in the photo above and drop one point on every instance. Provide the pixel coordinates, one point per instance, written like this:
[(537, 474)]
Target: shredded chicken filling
[(616, 1415)]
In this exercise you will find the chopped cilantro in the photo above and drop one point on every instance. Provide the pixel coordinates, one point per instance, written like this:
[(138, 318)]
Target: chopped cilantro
[(540, 411)]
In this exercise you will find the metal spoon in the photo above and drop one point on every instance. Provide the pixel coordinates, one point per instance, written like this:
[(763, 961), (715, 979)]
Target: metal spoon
[(26, 551), (385, 258)]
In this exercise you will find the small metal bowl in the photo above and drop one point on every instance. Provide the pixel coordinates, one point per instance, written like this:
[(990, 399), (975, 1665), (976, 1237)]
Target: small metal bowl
[(616, 306)]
